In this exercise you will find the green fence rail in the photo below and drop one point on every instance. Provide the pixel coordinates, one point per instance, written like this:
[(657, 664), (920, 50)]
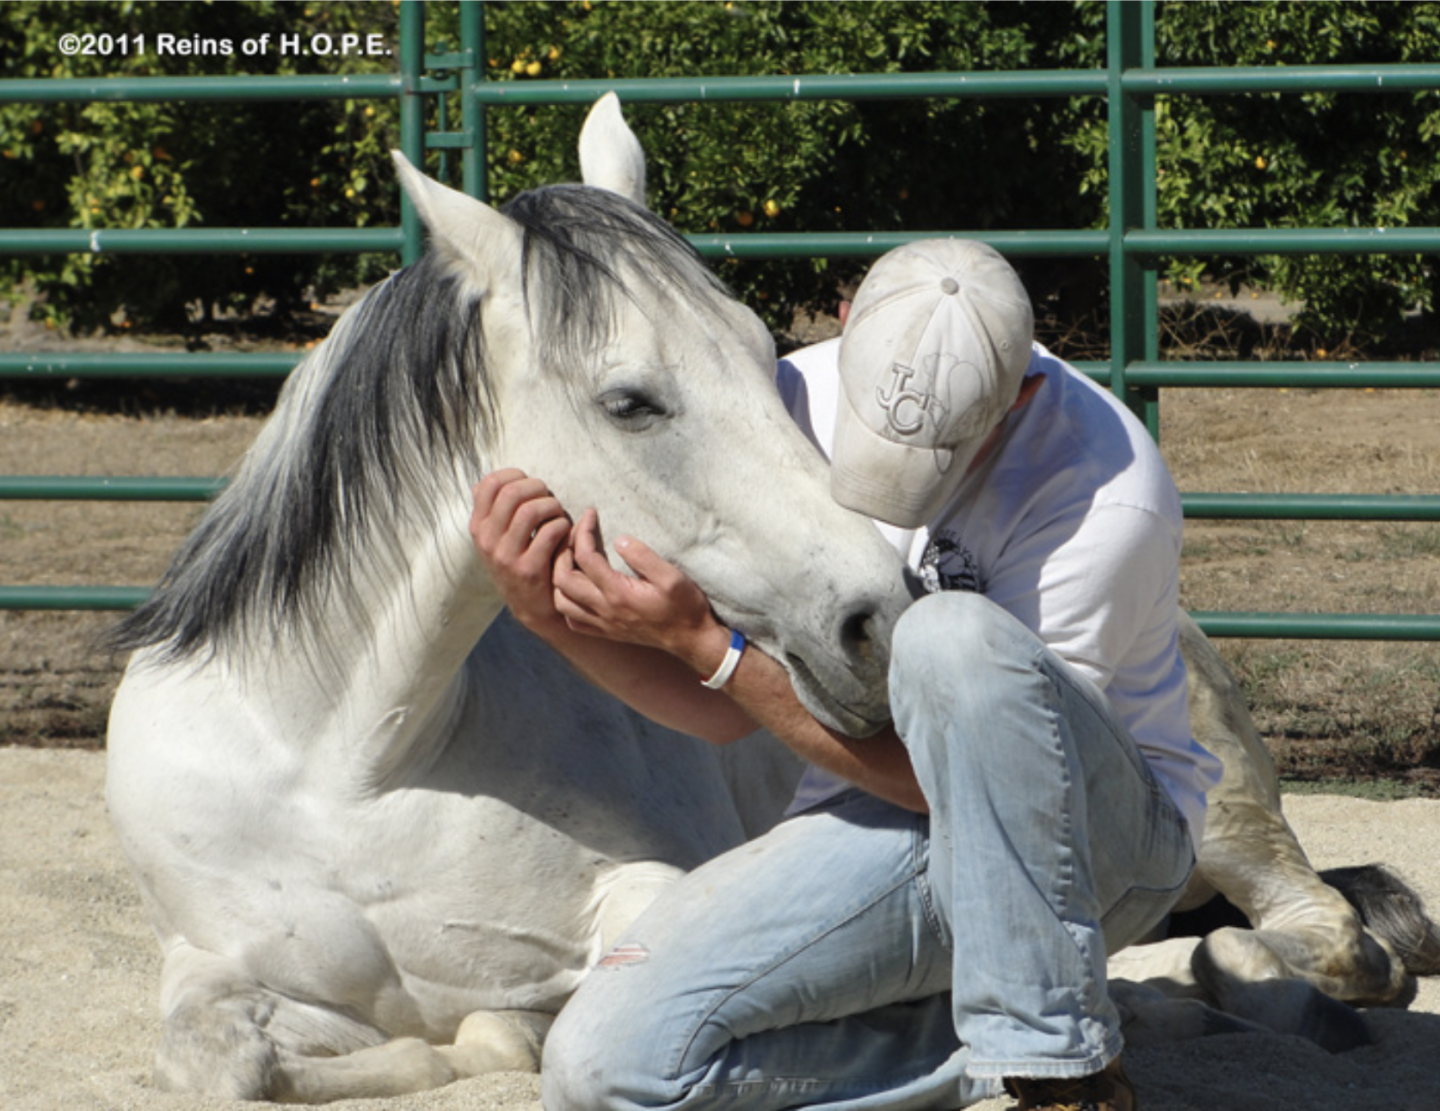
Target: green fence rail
[(1132, 243), (195, 241), (87, 364)]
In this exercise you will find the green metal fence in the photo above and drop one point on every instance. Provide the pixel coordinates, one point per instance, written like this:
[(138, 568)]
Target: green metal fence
[(1133, 245)]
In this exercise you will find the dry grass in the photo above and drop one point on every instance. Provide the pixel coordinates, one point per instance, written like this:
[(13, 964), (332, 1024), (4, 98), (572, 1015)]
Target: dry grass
[(1351, 708), (1327, 708)]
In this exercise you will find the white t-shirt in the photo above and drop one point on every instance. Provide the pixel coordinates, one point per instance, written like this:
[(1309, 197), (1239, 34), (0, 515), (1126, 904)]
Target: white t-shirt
[(1072, 525)]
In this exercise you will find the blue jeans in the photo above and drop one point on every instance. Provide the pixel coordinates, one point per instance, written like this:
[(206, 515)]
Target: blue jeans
[(861, 956)]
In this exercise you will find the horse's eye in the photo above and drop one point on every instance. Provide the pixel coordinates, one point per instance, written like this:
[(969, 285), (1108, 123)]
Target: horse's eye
[(630, 409)]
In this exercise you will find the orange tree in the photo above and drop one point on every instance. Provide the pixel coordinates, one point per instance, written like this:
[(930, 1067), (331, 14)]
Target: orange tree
[(1307, 160), (812, 165), (103, 164), (1259, 160)]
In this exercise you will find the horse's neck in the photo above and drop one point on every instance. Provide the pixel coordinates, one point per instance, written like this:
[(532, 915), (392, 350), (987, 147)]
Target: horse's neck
[(387, 678)]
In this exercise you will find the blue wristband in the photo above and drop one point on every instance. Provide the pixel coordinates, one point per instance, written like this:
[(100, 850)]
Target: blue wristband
[(729, 663)]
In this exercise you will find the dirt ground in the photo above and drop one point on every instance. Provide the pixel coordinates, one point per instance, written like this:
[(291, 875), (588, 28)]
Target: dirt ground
[(79, 973)]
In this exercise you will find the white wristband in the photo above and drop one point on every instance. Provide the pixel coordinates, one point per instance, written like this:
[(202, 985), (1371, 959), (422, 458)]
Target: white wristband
[(729, 663)]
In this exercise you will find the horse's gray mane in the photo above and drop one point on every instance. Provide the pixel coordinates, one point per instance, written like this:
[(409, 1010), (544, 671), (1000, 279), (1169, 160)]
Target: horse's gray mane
[(371, 428)]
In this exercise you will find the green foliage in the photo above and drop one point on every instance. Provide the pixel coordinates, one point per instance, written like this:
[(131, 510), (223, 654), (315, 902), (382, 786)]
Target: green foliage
[(169, 165), (807, 165), (1308, 160), (931, 164)]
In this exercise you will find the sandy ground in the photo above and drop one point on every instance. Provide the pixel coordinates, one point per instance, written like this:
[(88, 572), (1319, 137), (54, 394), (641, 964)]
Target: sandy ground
[(79, 973)]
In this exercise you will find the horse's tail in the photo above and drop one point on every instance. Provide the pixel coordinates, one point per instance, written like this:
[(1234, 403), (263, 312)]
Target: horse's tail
[(1393, 912)]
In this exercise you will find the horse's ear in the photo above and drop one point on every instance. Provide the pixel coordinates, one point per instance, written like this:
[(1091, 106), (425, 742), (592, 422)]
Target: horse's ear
[(610, 155), (479, 241)]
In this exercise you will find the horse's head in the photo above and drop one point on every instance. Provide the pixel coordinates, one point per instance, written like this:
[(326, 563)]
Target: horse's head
[(621, 373)]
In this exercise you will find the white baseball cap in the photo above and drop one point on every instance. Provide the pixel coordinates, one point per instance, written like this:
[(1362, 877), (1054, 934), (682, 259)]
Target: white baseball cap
[(932, 357)]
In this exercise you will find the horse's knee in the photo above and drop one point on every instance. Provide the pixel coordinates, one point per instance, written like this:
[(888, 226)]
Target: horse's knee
[(1262, 976), (217, 1048), (1337, 956)]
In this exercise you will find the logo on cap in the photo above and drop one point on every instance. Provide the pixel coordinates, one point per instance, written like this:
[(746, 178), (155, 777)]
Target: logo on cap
[(906, 406)]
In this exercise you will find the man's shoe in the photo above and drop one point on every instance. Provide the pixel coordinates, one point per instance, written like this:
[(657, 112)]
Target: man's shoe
[(1106, 1090)]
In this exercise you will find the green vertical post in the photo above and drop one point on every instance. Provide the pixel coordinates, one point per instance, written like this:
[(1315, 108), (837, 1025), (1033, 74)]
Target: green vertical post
[(472, 112), (1149, 172), (412, 116), (1130, 35)]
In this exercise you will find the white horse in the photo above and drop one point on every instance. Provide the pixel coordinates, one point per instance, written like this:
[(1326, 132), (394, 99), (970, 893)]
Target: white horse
[(379, 851), (378, 855)]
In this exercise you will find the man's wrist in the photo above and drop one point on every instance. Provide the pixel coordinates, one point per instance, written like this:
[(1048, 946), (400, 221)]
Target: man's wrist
[(729, 663), (554, 630), (706, 650)]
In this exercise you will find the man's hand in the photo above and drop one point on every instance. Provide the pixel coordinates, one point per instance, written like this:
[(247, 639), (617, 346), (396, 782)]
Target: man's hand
[(659, 607), (559, 584), (519, 527), (525, 539)]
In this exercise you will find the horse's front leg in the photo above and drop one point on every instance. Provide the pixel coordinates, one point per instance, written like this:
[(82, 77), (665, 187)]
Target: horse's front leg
[(1302, 926), (487, 1041), (1189, 987), (1250, 855), (1253, 973), (227, 1035)]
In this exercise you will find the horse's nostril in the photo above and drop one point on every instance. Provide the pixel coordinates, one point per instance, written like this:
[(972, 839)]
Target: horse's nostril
[(857, 635)]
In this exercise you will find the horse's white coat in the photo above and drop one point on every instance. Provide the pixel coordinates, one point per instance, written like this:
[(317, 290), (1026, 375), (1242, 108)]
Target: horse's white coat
[(379, 855)]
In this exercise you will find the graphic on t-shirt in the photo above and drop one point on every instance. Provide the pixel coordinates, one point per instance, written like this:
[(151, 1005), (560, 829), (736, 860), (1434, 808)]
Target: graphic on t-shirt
[(948, 565)]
